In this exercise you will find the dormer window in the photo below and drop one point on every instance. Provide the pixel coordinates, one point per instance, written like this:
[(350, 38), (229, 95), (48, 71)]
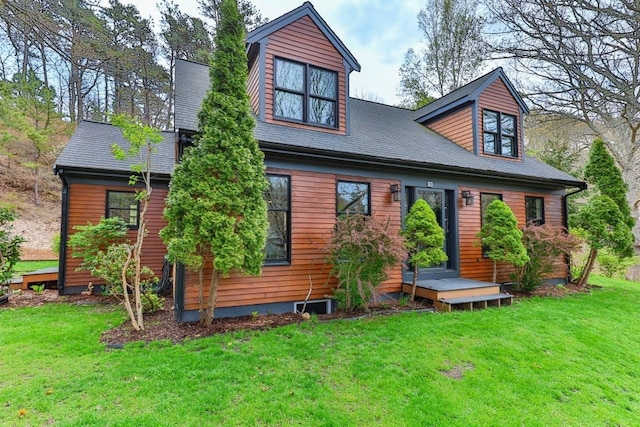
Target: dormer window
[(499, 134), (305, 93)]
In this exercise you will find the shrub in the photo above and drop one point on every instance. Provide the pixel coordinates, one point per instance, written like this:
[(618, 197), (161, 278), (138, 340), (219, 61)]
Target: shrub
[(612, 265), (361, 250), (544, 244), (9, 245)]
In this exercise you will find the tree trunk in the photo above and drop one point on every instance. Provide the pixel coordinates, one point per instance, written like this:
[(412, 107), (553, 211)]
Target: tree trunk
[(414, 284), (495, 271), (584, 277), (213, 296)]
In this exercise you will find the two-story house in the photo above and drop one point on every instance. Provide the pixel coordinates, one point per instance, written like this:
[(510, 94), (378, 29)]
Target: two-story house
[(327, 154)]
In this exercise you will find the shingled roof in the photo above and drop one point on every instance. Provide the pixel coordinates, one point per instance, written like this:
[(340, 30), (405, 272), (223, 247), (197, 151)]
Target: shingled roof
[(379, 133), (89, 149)]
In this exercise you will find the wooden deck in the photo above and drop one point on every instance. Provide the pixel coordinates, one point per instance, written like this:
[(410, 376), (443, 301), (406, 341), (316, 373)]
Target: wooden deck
[(460, 294), (46, 275)]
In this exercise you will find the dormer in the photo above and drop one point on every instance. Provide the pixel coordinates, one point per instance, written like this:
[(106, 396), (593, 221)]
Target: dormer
[(484, 117), (299, 72)]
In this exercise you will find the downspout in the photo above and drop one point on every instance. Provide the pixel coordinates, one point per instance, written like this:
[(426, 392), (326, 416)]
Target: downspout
[(64, 229), (565, 209)]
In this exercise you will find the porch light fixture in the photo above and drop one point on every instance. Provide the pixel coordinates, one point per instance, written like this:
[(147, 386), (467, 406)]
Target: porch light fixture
[(395, 192), (468, 197)]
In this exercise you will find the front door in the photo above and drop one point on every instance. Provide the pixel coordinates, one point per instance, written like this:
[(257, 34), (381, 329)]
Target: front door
[(439, 201)]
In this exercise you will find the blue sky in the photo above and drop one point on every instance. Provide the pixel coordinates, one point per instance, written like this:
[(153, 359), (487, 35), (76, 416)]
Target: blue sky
[(377, 32)]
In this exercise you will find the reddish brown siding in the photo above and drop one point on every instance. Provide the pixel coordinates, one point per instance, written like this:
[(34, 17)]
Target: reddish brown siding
[(457, 126), (88, 204), (303, 41), (313, 216), (472, 264), (497, 97)]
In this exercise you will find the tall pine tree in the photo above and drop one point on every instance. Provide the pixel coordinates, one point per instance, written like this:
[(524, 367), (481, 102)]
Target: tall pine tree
[(215, 210)]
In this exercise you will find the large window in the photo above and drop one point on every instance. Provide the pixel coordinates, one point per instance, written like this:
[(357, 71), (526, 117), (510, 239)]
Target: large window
[(124, 205), (534, 208), (278, 211), (305, 93), (500, 134), (352, 198)]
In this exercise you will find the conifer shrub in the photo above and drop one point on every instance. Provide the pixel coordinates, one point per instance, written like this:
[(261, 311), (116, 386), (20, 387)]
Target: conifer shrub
[(361, 250)]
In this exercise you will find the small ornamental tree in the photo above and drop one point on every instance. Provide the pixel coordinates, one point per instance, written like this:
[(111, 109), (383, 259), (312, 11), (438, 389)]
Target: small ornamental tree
[(361, 250), (215, 210), (9, 245), (545, 244), (605, 227), (423, 238), (500, 237)]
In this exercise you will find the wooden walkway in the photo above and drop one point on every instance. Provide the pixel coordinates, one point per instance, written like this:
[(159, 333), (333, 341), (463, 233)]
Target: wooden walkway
[(460, 294), (44, 276)]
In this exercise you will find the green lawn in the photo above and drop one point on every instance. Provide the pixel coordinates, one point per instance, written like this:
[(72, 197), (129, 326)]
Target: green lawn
[(572, 361), (28, 266)]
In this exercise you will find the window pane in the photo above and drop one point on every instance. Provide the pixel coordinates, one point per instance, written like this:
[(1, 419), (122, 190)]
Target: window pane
[(323, 83), (277, 247), (534, 208), (321, 111), (489, 143), (288, 105), (289, 75), (508, 125), (490, 121), (353, 198), (123, 204), (485, 201), (277, 198), (507, 146)]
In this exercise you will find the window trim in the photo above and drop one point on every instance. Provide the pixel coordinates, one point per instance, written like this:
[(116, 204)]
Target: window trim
[(536, 221), (368, 184), (108, 208), (306, 94), (287, 259), (498, 135)]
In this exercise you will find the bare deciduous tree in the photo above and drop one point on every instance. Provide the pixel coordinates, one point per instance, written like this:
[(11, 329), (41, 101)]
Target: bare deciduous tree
[(580, 59)]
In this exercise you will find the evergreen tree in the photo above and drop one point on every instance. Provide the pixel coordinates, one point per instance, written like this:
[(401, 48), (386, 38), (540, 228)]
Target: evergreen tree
[(424, 238), (607, 218), (216, 211), (601, 171), (501, 238)]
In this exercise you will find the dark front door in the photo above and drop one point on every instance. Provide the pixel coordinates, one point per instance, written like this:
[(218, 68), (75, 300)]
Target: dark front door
[(439, 201)]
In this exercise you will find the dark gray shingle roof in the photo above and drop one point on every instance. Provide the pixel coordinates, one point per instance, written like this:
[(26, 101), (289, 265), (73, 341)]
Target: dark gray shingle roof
[(378, 132), (90, 148)]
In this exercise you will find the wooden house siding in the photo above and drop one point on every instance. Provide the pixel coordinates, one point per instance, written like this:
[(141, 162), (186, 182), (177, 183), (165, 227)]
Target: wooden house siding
[(253, 87), (304, 42), (87, 203), (457, 126), (497, 97), (313, 217), (472, 264)]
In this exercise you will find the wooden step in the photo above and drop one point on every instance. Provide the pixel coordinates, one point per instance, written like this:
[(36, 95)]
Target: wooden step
[(476, 302), (454, 292)]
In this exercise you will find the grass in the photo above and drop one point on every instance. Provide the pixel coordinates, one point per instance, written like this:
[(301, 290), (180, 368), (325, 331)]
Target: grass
[(22, 267), (543, 362)]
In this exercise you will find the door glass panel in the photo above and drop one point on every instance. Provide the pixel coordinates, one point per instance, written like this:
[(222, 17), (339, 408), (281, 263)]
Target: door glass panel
[(435, 199)]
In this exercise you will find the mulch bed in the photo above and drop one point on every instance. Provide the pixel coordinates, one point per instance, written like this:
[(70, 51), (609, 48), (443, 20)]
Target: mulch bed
[(163, 326)]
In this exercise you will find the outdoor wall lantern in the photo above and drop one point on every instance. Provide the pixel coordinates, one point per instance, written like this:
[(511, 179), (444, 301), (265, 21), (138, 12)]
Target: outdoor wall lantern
[(468, 197), (395, 192)]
